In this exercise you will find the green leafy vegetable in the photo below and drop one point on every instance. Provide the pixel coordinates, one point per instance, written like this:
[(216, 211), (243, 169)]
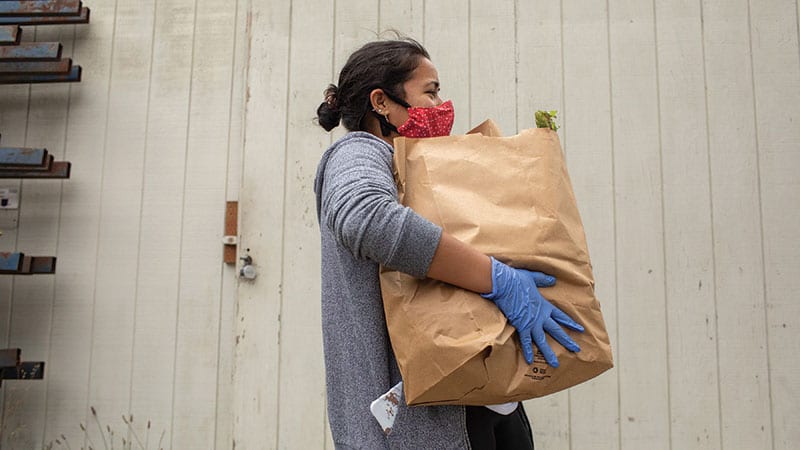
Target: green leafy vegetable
[(546, 119)]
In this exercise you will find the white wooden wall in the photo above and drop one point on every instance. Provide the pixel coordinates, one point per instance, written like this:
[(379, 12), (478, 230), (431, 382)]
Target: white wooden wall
[(138, 318), (681, 125)]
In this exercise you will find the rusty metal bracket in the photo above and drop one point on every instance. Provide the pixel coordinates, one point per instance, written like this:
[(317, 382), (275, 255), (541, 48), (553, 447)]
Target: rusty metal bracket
[(83, 17), (44, 166), (10, 262), (74, 75), (19, 264), (23, 371), (10, 34), (13, 368), (24, 157), (59, 169), (62, 66), (36, 62), (39, 265), (31, 51), (40, 7), (10, 357), (231, 230)]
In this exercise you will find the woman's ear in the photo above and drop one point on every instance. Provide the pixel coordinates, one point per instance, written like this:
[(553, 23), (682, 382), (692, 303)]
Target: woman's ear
[(379, 101)]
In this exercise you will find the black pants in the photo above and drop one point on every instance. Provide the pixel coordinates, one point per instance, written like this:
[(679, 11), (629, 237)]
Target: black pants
[(489, 430)]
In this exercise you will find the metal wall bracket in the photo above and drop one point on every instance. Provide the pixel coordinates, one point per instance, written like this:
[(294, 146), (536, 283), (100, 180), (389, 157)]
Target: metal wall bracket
[(231, 230)]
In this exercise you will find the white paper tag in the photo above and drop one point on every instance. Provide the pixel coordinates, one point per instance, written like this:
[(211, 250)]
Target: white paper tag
[(385, 407)]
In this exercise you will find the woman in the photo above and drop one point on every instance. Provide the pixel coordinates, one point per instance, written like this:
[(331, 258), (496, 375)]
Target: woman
[(388, 89)]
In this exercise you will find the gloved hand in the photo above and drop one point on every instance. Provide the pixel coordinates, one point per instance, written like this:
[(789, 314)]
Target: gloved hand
[(515, 292)]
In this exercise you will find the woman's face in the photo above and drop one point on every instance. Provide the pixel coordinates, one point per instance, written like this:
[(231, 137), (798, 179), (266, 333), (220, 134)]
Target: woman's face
[(422, 91)]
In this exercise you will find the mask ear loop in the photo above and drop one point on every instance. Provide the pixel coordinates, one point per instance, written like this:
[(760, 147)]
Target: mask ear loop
[(386, 127)]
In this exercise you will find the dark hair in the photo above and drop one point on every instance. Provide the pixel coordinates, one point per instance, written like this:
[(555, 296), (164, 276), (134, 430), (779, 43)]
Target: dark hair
[(380, 64)]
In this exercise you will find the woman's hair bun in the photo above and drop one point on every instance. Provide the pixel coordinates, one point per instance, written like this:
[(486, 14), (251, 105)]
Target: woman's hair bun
[(328, 114)]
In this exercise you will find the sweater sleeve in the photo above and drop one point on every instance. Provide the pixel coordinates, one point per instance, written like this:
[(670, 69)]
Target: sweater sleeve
[(359, 205)]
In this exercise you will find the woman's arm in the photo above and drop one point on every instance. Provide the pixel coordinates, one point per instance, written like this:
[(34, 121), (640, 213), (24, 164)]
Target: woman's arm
[(358, 202), (459, 264)]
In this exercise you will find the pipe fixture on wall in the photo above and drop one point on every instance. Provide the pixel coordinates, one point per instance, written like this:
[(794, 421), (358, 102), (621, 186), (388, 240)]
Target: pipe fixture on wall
[(248, 271)]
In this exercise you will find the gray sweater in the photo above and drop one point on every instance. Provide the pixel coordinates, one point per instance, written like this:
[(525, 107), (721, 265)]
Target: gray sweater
[(362, 226)]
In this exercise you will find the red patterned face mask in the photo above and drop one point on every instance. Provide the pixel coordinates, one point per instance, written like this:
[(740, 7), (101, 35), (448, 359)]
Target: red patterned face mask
[(429, 122)]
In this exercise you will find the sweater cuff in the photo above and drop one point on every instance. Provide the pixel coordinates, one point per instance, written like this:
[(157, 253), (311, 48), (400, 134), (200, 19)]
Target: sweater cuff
[(416, 246)]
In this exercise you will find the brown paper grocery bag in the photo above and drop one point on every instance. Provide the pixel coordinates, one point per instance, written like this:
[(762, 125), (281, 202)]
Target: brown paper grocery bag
[(510, 197)]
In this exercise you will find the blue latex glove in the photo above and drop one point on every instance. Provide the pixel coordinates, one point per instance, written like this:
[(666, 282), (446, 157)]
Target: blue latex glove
[(515, 292)]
